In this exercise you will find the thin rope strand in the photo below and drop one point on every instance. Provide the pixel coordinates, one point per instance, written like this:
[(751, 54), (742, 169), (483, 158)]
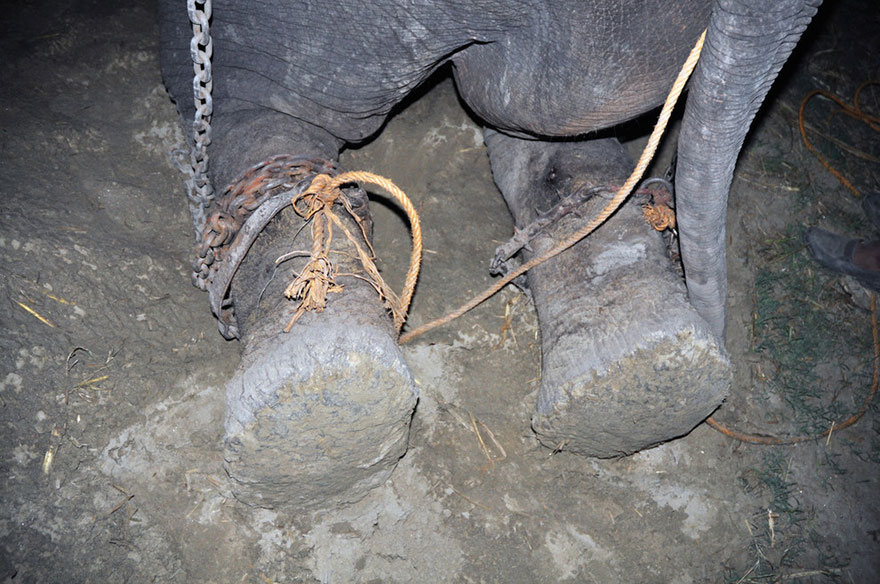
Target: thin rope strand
[(610, 208)]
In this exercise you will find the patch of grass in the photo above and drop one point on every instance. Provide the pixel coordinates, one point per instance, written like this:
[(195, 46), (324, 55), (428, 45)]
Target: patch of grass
[(779, 533), (806, 329), (774, 475), (816, 356), (871, 454), (782, 537)]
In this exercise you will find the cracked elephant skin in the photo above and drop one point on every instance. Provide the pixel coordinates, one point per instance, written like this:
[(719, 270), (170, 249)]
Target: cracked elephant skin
[(318, 76), (309, 79)]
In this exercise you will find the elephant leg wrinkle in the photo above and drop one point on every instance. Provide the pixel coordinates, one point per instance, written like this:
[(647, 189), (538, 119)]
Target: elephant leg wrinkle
[(627, 362), (321, 414)]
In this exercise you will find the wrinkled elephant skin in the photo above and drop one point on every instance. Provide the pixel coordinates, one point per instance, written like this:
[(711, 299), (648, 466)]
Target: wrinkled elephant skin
[(323, 413)]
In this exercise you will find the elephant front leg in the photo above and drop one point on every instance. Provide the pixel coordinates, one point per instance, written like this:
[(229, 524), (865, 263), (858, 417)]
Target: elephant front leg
[(627, 363), (322, 413)]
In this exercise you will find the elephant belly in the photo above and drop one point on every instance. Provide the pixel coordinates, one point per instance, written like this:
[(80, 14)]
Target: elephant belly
[(544, 68), (578, 68), (340, 66)]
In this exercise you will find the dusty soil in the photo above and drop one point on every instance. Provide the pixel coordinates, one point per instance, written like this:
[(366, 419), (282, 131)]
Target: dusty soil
[(112, 370)]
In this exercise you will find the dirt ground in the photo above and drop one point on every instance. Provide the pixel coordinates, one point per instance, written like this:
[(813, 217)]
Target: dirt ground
[(112, 371)]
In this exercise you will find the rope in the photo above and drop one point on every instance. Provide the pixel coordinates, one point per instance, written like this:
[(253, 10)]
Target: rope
[(776, 440), (318, 277), (659, 216), (855, 112), (610, 208)]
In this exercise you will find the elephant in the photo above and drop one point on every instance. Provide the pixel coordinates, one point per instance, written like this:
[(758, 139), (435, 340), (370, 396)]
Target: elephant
[(632, 355)]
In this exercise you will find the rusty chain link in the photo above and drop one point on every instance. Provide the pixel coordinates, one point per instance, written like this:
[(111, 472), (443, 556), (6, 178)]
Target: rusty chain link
[(219, 250), (215, 231), (240, 199), (503, 263)]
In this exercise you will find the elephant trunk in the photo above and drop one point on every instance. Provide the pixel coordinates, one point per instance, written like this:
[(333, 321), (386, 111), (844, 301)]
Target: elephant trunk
[(747, 43)]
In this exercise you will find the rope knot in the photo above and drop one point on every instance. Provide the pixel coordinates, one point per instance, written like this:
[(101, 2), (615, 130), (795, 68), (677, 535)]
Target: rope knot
[(659, 216), (318, 277), (321, 195)]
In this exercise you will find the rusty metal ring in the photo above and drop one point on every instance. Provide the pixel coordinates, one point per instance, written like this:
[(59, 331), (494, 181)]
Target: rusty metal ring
[(217, 250)]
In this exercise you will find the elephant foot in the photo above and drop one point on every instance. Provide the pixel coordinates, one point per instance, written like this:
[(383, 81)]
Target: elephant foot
[(627, 362), (320, 414)]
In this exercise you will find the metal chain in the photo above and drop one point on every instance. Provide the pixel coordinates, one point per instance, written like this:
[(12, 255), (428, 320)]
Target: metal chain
[(572, 203), (241, 213), (217, 222), (239, 200), (199, 190), (503, 262)]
